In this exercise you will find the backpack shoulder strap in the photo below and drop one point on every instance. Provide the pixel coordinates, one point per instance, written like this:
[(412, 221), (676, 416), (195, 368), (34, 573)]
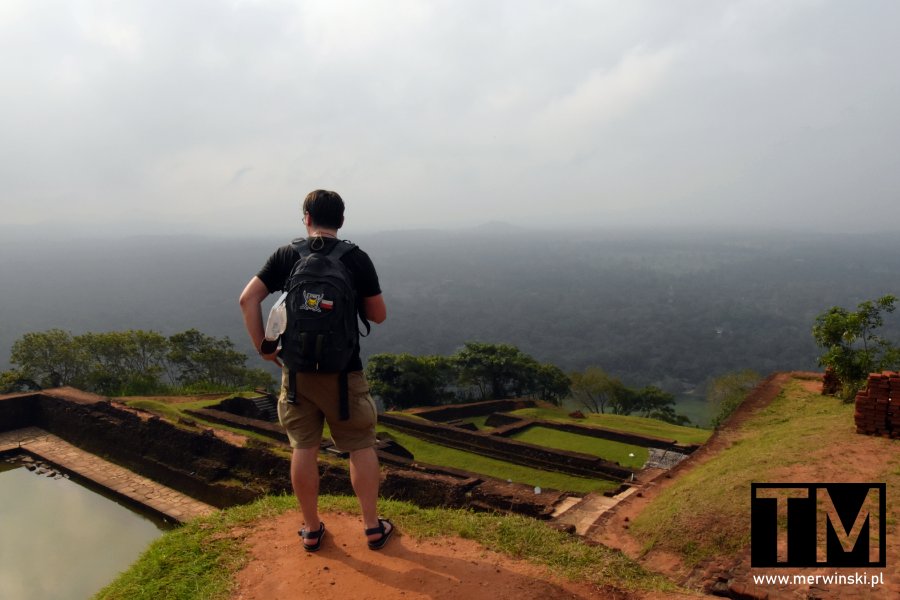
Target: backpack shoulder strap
[(300, 246), (341, 248)]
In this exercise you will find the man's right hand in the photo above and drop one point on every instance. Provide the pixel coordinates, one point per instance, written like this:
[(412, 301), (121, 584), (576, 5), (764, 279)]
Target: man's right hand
[(268, 350)]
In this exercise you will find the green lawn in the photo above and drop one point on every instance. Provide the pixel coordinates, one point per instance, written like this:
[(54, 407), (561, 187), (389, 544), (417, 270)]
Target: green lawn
[(624, 454), (198, 561), (435, 454), (627, 423)]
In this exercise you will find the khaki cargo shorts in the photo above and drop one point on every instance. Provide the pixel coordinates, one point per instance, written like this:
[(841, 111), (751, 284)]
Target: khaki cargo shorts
[(317, 402)]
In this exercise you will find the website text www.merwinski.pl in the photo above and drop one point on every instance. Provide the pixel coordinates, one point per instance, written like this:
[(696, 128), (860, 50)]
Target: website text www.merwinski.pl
[(855, 579)]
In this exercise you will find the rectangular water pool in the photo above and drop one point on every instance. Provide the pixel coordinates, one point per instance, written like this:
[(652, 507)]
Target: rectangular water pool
[(60, 539)]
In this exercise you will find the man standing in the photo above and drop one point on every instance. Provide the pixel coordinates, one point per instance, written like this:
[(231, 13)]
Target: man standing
[(316, 397)]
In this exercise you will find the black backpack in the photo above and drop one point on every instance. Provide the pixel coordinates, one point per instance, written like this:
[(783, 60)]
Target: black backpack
[(322, 333)]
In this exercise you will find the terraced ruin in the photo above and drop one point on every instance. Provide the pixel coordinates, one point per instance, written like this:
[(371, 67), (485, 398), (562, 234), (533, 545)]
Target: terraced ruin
[(232, 451)]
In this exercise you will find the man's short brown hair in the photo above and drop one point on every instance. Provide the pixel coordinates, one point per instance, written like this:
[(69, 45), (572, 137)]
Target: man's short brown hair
[(326, 208)]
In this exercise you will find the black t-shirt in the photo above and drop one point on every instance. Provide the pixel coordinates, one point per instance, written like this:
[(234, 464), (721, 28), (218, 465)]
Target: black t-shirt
[(277, 270)]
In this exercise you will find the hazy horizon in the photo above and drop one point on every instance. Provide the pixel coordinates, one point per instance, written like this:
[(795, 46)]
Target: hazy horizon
[(651, 307), (42, 232), (200, 116)]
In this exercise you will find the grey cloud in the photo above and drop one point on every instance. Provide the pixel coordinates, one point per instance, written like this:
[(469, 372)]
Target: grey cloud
[(421, 113)]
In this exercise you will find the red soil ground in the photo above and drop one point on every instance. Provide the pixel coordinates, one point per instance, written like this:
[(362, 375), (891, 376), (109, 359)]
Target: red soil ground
[(344, 567)]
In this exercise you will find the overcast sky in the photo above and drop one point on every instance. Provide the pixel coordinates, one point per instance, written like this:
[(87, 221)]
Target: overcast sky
[(218, 116)]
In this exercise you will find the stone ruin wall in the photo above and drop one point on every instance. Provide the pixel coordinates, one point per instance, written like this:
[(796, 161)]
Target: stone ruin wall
[(513, 451), (635, 439), (220, 473), (455, 412), (266, 428), (878, 406)]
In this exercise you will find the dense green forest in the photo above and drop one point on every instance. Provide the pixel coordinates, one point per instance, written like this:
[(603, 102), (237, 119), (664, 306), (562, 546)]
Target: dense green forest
[(478, 371), (133, 362), (671, 310), (138, 362)]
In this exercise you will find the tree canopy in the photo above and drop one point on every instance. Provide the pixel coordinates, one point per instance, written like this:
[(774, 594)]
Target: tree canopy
[(598, 392), (477, 371), (852, 348), (131, 362), (595, 390), (726, 392), (483, 371)]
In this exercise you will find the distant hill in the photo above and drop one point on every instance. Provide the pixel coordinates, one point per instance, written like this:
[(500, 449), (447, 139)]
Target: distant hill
[(666, 309)]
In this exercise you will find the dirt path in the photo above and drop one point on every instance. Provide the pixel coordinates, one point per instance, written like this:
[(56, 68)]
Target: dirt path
[(445, 568)]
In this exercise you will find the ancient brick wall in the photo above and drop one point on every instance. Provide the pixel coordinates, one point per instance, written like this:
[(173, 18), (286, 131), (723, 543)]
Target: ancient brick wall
[(202, 465), (502, 420), (242, 407), (196, 462), (17, 411), (635, 439), (878, 405), (513, 451), (271, 430), (473, 409)]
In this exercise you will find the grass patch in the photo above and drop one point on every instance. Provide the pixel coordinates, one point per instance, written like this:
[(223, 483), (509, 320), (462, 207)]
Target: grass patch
[(193, 562), (198, 561), (706, 513), (573, 442), (436, 454), (157, 408), (173, 411), (627, 423)]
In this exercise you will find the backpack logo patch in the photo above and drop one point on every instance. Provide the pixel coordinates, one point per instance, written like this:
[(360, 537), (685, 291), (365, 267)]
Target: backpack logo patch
[(316, 302)]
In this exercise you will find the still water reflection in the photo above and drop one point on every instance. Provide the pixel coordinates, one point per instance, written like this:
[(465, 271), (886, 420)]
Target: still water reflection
[(61, 540)]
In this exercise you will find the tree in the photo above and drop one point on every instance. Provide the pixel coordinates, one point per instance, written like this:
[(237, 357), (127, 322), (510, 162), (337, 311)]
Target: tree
[(125, 362), (623, 399), (201, 360), (489, 370), (13, 380), (852, 348), (594, 389), (486, 367), (130, 362), (668, 414), (551, 384), (52, 358), (598, 392), (498, 371), (654, 403), (651, 400), (726, 392), (404, 380)]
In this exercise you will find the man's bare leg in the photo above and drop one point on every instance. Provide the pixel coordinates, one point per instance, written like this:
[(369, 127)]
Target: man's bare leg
[(366, 477), (305, 481)]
